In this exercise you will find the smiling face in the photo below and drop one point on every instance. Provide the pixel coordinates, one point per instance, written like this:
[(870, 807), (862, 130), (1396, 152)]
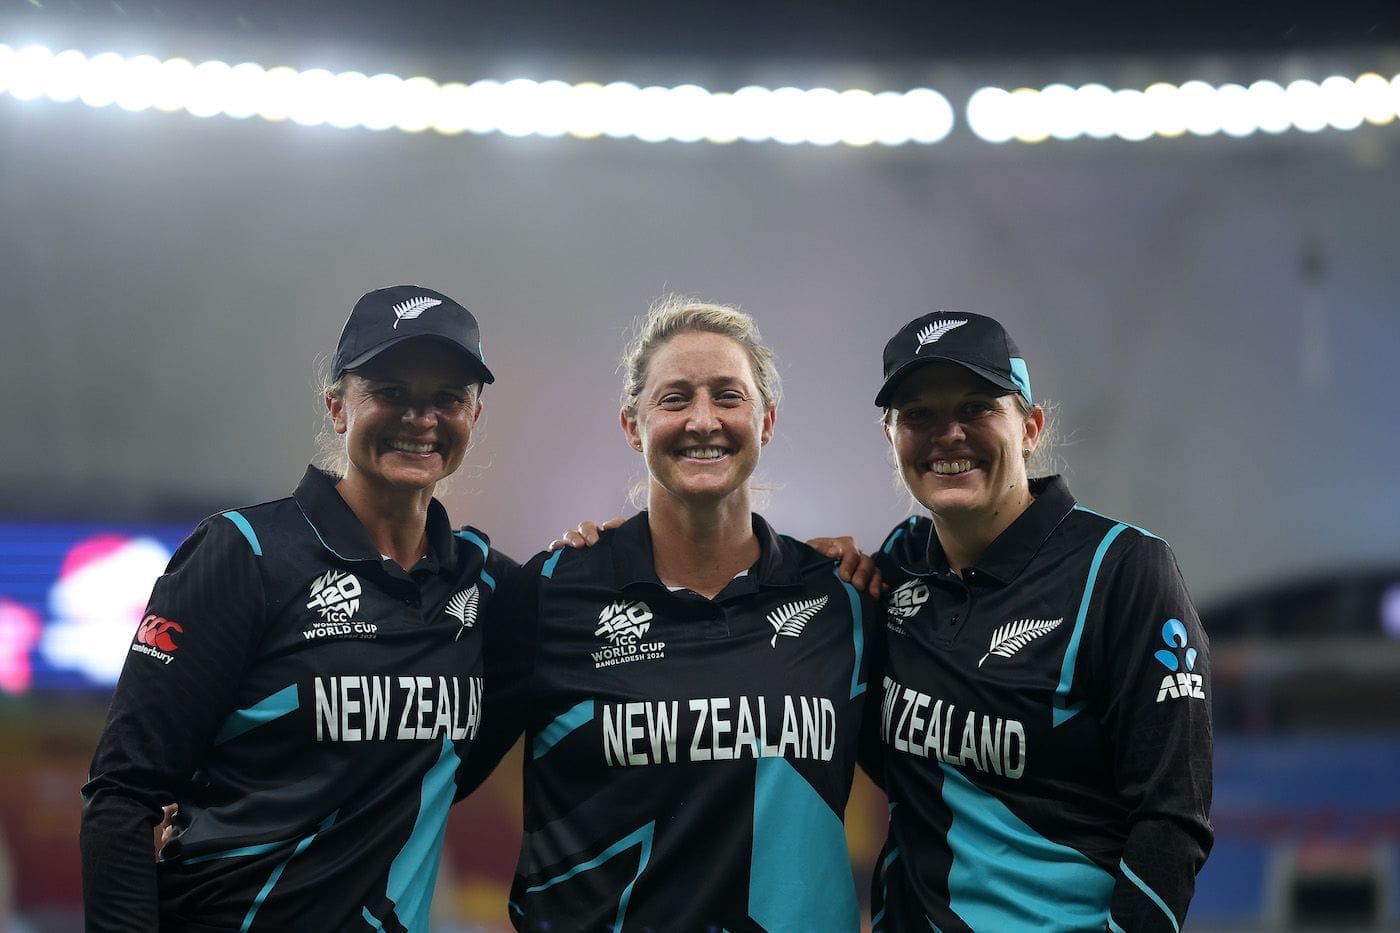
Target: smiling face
[(407, 416), (958, 441), (700, 420)]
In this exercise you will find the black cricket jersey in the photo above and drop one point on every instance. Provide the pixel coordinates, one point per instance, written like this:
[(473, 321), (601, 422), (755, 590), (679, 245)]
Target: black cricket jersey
[(307, 703), (687, 760), (1046, 721)]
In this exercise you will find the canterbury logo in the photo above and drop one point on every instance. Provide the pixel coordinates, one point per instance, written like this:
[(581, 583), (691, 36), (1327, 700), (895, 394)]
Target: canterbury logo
[(793, 618), (934, 332), (1013, 636), (624, 622), (159, 633), (462, 607), (410, 309)]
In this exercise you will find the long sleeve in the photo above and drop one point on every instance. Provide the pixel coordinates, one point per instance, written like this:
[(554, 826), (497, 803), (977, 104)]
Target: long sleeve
[(509, 649), (1157, 713), (178, 684)]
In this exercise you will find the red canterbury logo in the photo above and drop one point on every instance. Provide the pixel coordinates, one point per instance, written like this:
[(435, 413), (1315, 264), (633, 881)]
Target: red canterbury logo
[(158, 633)]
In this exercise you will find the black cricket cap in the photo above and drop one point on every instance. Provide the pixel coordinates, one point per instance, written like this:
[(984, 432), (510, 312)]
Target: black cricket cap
[(387, 317), (973, 341)]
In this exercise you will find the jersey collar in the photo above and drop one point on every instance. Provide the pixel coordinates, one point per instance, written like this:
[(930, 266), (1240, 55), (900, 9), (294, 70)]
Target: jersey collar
[(342, 534), (780, 560), (1008, 555)]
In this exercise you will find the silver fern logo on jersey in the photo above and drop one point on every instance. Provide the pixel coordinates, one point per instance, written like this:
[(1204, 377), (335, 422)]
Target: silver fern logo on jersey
[(791, 619), (625, 624), (462, 607), (935, 331), (335, 595), (1013, 636), (410, 309)]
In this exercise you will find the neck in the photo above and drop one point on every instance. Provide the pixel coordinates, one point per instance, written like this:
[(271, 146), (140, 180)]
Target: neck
[(701, 546), (395, 519), (965, 537)]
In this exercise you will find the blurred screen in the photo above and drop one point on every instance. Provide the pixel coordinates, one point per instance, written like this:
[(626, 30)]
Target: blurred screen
[(71, 596)]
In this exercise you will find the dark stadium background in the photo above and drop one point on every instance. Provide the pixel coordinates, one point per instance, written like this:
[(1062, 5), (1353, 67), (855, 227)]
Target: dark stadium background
[(1217, 320)]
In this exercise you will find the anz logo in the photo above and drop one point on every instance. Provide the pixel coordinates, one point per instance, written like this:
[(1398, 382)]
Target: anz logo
[(1179, 658)]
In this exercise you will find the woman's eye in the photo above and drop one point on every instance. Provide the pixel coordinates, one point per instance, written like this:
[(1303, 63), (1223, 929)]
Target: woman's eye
[(447, 400), (730, 398), (390, 393), (974, 409), (672, 401)]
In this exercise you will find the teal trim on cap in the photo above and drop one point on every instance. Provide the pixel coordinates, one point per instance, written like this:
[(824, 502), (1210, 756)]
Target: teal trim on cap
[(1022, 377)]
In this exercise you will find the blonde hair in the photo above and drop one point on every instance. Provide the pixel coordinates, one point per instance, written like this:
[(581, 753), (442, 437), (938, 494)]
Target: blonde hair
[(672, 315)]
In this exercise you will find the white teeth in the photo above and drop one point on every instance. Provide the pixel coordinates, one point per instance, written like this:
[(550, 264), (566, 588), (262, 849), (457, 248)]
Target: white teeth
[(951, 466), (411, 448), (703, 453)]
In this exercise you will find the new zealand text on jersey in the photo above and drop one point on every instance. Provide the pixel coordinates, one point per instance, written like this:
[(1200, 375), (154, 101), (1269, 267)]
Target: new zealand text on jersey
[(916, 723), (718, 728), (371, 709)]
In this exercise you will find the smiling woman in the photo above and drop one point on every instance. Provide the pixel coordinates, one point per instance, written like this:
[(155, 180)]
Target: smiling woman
[(310, 672), (691, 688)]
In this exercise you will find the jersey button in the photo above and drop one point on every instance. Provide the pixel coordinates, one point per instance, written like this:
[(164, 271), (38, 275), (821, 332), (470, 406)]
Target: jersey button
[(957, 619)]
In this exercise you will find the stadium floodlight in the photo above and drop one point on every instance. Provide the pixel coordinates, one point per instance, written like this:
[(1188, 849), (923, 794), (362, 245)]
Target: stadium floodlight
[(1164, 110)]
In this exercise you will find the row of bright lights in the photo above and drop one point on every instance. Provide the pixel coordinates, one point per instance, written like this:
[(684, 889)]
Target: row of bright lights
[(689, 113)]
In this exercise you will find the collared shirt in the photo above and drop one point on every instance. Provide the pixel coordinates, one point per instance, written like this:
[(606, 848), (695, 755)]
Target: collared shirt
[(1046, 719), (306, 702), (687, 760)]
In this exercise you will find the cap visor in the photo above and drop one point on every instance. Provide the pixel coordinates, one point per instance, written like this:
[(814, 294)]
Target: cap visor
[(468, 357), (882, 398)]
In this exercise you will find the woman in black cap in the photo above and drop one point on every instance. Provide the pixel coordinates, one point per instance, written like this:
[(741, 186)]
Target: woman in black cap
[(309, 674), (1045, 711)]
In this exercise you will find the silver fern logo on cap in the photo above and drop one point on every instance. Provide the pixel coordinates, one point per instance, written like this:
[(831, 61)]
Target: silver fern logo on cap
[(410, 309), (462, 607), (1013, 636), (935, 331), (793, 618)]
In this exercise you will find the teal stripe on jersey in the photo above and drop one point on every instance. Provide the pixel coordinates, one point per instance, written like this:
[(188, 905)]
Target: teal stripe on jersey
[(1151, 894), (1063, 710), (485, 549), (242, 525), (413, 873), (261, 713), (800, 873), (277, 872), (890, 859), (1141, 531), (1115, 928), (1006, 876), (857, 636), (547, 571), (563, 724), (641, 838), (235, 853), (890, 541), (371, 919)]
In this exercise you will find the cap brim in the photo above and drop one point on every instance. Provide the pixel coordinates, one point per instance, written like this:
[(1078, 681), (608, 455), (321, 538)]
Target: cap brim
[(470, 358), (882, 398)]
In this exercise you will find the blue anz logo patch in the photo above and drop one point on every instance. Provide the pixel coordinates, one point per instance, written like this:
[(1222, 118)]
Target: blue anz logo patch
[(1179, 658)]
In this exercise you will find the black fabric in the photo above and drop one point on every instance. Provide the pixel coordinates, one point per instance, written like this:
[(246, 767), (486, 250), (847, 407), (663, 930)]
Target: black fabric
[(1043, 707), (323, 808)]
